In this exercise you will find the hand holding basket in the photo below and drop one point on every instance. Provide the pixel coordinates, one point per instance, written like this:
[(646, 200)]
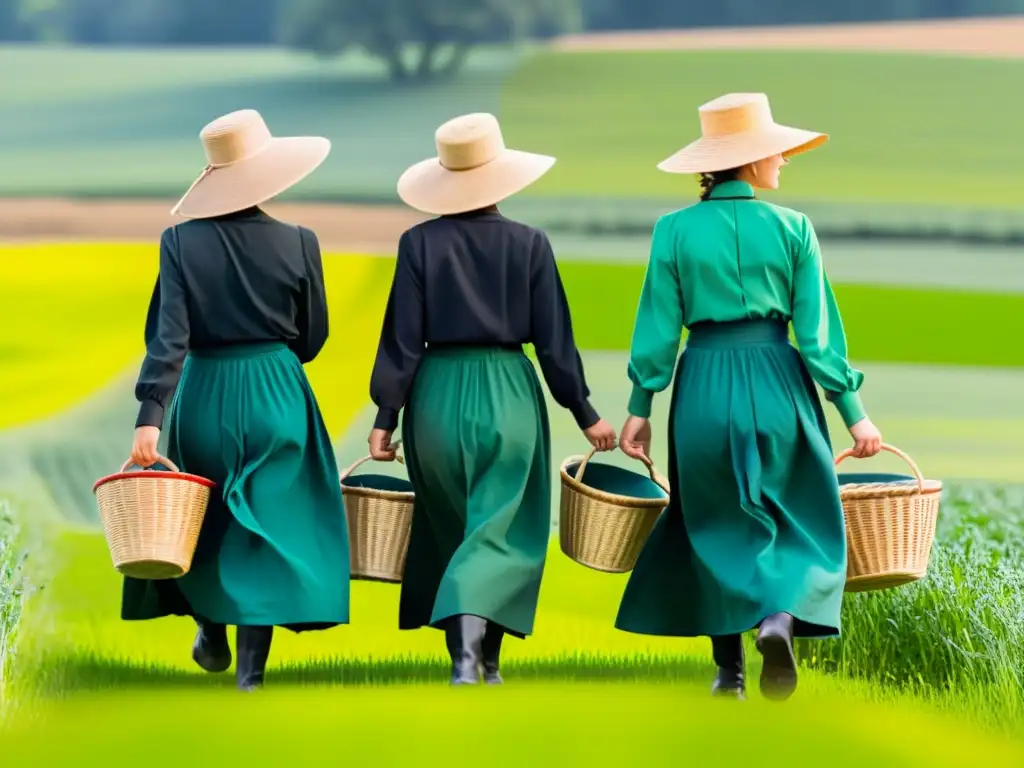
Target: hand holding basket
[(379, 512), (606, 529), (152, 518), (890, 526)]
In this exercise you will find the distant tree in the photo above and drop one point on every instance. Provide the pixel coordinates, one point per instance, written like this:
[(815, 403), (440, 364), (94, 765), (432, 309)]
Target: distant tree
[(419, 39)]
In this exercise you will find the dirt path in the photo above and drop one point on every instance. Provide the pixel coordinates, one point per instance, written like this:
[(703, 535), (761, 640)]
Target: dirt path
[(1001, 37), (348, 228), (375, 229)]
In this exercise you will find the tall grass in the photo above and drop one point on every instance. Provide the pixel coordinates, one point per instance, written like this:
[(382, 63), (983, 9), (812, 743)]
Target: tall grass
[(12, 592), (959, 630)]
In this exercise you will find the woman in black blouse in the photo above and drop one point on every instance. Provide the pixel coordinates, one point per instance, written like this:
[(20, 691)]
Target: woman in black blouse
[(470, 289), (238, 308)]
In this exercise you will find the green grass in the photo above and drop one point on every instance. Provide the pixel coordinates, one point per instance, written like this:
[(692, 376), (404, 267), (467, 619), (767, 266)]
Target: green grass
[(12, 592), (80, 669), (611, 117), (127, 121), (567, 724)]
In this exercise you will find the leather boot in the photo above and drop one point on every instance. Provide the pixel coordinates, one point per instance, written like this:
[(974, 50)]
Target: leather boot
[(253, 649), (464, 636), (727, 651), (210, 650), (775, 644), (491, 648)]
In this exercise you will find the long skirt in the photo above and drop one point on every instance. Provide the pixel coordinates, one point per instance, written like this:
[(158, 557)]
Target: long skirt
[(477, 445), (273, 549), (755, 522)]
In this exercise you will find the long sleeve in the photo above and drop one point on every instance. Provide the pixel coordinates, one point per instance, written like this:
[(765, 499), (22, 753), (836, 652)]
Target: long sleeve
[(658, 329), (401, 339), (167, 337), (311, 317), (552, 337), (819, 333)]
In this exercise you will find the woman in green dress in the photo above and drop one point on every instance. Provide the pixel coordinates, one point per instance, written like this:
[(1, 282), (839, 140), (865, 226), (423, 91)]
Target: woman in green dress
[(471, 287), (239, 307), (754, 535)]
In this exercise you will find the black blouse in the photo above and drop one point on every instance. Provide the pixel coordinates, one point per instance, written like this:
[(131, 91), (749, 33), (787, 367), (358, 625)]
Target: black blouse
[(476, 279), (243, 278)]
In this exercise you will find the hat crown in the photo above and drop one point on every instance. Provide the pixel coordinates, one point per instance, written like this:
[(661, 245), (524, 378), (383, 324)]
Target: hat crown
[(735, 113), (469, 141), (234, 137)]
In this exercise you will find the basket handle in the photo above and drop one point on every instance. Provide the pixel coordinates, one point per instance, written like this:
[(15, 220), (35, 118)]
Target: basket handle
[(354, 467), (891, 449), (656, 478), (160, 459)]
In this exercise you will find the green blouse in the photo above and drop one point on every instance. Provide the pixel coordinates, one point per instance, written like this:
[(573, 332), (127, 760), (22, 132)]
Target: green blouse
[(734, 257)]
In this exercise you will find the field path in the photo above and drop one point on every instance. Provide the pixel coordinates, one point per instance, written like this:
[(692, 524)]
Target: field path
[(999, 37)]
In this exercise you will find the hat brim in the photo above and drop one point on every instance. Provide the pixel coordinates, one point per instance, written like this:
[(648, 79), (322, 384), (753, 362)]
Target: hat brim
[(283, 163), (431, 188), (719, 153)]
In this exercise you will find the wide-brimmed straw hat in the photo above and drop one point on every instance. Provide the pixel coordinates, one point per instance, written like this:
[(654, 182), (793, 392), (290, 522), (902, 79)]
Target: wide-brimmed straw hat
[(737, 129), (246, 165), (473, 169)]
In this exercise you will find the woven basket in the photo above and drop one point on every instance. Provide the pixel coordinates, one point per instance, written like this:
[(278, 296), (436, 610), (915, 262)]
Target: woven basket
[(151, 519), (379, 511), (890, 525), (602, 530)]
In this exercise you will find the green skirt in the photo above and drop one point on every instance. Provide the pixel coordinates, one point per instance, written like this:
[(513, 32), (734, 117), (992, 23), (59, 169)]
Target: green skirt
[(273, 550), (755, 523), (476, 445)]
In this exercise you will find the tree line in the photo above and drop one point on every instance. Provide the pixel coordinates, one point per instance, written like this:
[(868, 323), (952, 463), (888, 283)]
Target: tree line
[(422, 39)]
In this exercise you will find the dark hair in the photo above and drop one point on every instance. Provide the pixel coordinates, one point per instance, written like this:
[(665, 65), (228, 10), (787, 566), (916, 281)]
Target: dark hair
[(708, 181)]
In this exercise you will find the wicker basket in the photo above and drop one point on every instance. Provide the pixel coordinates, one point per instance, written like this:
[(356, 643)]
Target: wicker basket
[(151, 519), (379, 511), (602, 530), (890, 525)]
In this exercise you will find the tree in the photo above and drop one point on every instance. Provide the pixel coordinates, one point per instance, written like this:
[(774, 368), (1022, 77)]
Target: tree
[(437, 33)]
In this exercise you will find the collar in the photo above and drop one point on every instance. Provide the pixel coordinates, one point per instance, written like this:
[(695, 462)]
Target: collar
[(252, 212), (732, 190)]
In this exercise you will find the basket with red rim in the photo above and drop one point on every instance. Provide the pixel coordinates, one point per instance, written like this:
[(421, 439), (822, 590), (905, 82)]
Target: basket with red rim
[(152, 518)]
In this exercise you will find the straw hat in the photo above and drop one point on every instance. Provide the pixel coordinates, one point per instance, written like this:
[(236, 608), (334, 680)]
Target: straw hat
[(737, 129), (247, 165), (473, 169)]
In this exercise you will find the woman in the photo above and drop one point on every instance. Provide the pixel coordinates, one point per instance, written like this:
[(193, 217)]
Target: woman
[(470, 288), (239, 307), (754, 533)]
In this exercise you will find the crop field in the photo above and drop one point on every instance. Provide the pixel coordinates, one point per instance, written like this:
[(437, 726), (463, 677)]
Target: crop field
[(946, 649), (611, 117), (608, 117)]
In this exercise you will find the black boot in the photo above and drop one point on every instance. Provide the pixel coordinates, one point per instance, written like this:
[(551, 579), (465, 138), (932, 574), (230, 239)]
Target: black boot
[(775, 644), (491, 648), (210, 650), (253, 648), (727, 651), (464, 636)]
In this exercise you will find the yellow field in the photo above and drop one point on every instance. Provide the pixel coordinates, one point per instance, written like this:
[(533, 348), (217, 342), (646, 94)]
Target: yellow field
[(76, 317)]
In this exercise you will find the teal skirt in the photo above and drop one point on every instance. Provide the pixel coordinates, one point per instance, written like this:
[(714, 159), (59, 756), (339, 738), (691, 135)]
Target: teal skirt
[(477, 449), (755, 522), (273, 550)]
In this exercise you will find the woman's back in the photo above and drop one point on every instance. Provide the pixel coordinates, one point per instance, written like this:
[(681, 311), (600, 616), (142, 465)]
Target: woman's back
[(247, 278), (475, 272), (736, 256)]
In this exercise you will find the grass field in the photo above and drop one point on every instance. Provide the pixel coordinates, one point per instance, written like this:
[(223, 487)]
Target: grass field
[(924, 673), (611, 117), (127, 121)]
